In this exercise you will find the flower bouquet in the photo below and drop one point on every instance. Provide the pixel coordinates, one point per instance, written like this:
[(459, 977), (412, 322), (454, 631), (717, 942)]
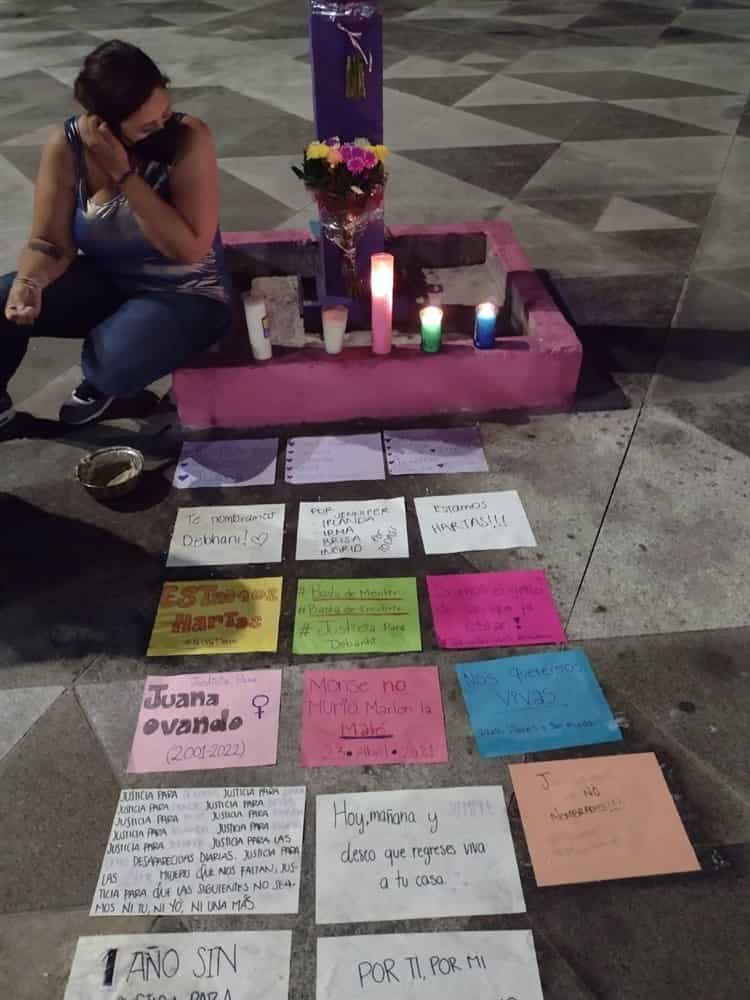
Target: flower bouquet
[(348, 180)]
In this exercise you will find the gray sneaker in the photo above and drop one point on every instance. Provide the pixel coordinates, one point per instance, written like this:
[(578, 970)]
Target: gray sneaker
[(7, 409), (84, 405)]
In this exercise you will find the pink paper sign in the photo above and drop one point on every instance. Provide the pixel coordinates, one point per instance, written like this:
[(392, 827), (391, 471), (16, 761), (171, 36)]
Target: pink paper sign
[(476, 610), (383, 716), (197, 722)]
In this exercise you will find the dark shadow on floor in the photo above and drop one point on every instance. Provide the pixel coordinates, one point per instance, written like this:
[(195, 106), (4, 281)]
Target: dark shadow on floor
[(70, 588)]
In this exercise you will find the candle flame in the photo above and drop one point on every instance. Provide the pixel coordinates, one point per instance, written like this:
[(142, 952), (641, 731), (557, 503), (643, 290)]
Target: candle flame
[(381, 275), (431, 314)]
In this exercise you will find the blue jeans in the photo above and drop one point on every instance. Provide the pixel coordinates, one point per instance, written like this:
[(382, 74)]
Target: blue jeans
[(129, 341)]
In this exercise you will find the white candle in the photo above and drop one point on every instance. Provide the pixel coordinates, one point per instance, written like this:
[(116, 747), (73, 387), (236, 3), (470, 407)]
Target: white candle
[(381, 287), (335, 319), (257, 326)]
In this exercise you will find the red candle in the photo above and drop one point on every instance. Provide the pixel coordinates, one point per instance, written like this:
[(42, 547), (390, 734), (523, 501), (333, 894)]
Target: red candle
[(381, 287)]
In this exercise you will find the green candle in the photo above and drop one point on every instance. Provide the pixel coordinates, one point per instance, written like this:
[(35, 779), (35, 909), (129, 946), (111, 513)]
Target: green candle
[(431, 319)]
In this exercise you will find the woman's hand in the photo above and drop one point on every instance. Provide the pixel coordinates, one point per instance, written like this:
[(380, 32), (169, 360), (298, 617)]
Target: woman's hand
[(24, 303), (104, 146)]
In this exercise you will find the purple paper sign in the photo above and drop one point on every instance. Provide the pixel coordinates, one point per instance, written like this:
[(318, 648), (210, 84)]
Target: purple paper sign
[(474, 610), (426, 451), (340, 458), (227, 463)]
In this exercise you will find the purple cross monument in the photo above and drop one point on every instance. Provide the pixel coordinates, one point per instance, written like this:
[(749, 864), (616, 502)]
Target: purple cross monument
[(343, 32)]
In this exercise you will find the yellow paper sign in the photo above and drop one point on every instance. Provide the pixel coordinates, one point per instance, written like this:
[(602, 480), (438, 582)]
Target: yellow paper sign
[(217, 616)]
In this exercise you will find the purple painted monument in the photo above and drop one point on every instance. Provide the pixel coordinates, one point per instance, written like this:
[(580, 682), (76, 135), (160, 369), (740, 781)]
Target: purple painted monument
[(346, 39)]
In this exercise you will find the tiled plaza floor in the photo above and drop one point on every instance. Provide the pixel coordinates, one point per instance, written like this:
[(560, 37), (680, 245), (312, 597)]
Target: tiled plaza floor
[(615, 137)]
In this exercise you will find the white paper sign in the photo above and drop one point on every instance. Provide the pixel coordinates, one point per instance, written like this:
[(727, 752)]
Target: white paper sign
[(335, 459), (353, 529), (477, 965), (424, 452), (203, 851), (472, 521), (223, 536), (438, 852), (246, 965), (227, 463)]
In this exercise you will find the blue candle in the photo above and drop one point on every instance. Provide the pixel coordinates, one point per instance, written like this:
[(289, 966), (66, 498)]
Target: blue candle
[(484, 327)]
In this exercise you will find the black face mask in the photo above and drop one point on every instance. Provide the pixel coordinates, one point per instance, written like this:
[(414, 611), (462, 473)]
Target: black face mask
[(160, 146)]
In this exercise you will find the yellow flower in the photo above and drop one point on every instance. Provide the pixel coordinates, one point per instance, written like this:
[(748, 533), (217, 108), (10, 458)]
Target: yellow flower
[(334, 156), (381, 152), (316, 151)]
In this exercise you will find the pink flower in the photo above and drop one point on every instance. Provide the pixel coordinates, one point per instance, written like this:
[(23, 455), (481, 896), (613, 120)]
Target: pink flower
[(357, 159), (356, 165)]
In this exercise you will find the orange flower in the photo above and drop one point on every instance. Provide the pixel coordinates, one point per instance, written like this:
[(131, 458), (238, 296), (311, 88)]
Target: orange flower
[(334, 156)]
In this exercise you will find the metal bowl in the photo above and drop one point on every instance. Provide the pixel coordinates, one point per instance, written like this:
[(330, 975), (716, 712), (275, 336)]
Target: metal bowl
[(110, 472)]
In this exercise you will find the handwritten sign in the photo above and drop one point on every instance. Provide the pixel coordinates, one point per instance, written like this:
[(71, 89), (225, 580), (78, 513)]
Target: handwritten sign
[(481, 965), (382, 716), (357, 616), (473, 521), (243, 965), (472, 610), (354, 529), (227, 463), (217, 616), (203, 721), (425, 452), (597, 818), (526, 704), (224, 536), (438, 852), (203, 851), (336, 459)]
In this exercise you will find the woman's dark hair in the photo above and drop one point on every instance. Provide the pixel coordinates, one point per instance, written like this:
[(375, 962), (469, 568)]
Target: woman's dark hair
[(116, 79)]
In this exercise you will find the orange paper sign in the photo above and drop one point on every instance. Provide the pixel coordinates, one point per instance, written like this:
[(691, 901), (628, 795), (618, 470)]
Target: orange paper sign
[(598, 818)]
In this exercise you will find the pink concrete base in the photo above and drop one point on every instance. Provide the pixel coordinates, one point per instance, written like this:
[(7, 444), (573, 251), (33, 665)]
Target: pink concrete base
[(537, 371)]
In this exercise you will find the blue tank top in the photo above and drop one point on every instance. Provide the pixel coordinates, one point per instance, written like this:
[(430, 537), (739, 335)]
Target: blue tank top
[(111, 234)]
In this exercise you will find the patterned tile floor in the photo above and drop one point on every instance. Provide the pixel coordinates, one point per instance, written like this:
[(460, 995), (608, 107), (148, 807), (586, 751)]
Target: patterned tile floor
[(616, 138)]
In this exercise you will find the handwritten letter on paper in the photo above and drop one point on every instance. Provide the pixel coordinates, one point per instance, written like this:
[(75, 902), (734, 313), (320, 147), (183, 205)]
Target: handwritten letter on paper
[(217, 616), (357, 616), (383, 716), (597, 818), (478, 965), (188, 851), (473, 521), (341, 459), (439, 852), (247, 965), (526, 704), (354, 529), (204, 721), (227, 463), (473, 610), (224, 536), (430, 452)]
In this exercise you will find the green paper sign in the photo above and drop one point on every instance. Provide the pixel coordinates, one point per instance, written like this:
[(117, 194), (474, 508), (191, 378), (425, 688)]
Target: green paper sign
[(357, 616)]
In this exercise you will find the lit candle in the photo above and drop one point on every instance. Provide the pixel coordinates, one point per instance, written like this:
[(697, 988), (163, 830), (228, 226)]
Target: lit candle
[(431, 319), (335, 319), (381, 286), (484, 326)]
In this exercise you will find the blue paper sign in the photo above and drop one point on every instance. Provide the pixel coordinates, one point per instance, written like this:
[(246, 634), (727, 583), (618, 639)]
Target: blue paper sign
[(524, 704)]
